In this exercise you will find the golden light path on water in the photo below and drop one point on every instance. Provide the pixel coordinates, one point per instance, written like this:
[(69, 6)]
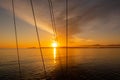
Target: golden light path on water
[(54, 55), (54, 45)]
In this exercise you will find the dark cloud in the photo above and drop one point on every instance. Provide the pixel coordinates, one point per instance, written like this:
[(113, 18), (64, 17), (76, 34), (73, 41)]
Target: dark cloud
[(82, 12)]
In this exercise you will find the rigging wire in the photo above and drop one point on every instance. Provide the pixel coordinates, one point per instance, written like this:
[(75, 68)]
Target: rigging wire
[(66, 36), (16, 38), (54, 25), (38, 38), (52, 19)]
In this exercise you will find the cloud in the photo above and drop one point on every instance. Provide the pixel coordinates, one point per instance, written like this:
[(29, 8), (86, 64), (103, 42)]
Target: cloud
[(84, 15), (23, 11), (90, 14)]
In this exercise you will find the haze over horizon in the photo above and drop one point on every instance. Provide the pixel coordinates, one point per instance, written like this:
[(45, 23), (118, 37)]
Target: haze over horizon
[(90, 22)]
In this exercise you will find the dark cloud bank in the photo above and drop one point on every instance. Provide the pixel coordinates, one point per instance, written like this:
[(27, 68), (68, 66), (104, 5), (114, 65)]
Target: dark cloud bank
[(83, 12)]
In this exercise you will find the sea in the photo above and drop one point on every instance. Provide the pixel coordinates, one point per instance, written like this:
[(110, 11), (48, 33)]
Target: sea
[(55, 64)]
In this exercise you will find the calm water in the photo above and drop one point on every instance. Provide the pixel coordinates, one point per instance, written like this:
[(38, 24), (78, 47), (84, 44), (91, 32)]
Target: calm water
[(88, 62)]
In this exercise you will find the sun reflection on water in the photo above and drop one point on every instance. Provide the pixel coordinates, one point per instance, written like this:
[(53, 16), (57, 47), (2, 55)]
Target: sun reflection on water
[(54, 55)]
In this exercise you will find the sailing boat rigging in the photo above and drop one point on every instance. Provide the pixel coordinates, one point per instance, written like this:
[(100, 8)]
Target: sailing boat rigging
[(55, 40)]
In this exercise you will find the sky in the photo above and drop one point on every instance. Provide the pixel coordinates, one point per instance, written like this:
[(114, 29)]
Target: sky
[(90, 22)]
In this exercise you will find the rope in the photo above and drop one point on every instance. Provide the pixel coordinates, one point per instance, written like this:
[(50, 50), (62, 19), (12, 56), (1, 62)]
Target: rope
[(45, 72), (16, 38)]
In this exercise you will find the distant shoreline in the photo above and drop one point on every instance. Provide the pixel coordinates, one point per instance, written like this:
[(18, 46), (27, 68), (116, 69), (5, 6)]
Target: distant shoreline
[(76, 47), (84, 46), (69, 47)]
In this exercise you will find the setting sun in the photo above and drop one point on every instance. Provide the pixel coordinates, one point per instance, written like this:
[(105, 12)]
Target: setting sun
[(54, 44)]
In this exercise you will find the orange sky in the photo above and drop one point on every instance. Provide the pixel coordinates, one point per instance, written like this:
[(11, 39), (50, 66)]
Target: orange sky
[(100, 26)]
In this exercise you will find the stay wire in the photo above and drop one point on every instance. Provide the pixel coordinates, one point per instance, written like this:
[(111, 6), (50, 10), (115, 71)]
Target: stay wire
[(52, 18), (53, 22), (66, 36), (35, 22), (16, 38)]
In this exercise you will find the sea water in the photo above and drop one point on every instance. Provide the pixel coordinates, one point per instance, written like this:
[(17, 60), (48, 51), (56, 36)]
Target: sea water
[(91, 63)]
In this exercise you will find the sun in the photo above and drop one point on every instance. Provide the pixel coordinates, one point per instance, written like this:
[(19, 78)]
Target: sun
[(54, 44)]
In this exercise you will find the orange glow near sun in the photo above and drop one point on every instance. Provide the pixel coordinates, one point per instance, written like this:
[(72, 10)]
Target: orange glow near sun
[(54, 44)]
